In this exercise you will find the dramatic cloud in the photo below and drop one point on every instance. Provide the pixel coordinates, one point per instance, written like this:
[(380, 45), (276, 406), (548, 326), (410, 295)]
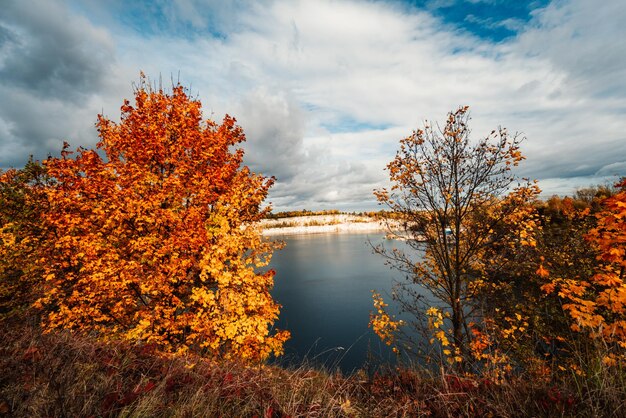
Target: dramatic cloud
[(52, 54), (274, 127), (54, 66), (325, 89)]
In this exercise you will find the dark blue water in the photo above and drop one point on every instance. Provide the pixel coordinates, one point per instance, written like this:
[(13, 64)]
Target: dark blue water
[(324, 283)]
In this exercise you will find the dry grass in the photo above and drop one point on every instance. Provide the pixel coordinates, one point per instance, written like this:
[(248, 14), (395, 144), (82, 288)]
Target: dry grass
[(60, 374)]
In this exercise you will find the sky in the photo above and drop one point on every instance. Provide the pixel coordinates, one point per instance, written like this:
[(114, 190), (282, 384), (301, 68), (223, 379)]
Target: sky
[(325, 89)]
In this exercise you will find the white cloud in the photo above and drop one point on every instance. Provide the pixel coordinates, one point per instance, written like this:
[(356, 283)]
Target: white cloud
[(584, 40), (325, 89)]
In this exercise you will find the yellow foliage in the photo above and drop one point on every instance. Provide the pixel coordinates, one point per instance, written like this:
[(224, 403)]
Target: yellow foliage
[(384, 325), (157, 242)]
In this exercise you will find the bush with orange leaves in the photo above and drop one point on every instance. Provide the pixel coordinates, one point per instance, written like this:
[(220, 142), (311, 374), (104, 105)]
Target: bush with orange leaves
[(157, 242), (597, 304)]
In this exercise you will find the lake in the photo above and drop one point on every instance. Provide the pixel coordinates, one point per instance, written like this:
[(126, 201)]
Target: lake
[(324, 283)]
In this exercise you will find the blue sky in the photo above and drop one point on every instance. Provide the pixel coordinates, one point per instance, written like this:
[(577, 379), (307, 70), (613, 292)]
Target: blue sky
[(325, 89), (492, 20)]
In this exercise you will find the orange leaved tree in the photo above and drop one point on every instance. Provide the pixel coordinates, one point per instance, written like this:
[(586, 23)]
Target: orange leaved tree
[(598, 304), (22, 237), (158, 242), (453, 200)]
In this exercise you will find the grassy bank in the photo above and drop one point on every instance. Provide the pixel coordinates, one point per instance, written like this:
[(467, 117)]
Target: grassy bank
[(59, 374)]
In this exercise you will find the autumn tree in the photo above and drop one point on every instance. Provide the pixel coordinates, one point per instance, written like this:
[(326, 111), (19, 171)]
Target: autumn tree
[(22, 236), (597, 303), (525, 323), (553, 287), (452, 199), (158, 241), (592, 196)]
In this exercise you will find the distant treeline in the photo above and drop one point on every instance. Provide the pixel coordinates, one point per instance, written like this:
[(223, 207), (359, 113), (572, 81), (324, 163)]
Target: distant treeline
[(303, 212), (381, 214)]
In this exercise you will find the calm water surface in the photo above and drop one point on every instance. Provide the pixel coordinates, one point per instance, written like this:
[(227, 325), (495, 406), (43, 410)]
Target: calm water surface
[(325, 283)]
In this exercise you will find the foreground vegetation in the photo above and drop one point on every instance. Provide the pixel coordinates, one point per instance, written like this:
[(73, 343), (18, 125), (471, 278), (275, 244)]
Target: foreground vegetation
[(495, 281), (61, 374)]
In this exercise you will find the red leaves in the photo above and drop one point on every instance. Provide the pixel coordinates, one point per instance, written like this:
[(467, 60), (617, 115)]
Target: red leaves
[(31, 354), (555, 398)]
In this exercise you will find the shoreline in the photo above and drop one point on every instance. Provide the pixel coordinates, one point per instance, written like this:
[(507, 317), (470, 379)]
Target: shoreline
[(321, 224)]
